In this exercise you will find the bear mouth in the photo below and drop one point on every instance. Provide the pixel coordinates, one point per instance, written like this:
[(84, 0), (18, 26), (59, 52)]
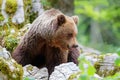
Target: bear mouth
[(69, 47)]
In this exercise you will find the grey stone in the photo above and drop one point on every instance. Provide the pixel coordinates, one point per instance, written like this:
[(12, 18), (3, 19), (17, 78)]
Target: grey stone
[(4, 53), (63, 71), (19, 15), (5, 15), (106, 65), (34, 72), (3, 77), (37, 7), (9, 69)]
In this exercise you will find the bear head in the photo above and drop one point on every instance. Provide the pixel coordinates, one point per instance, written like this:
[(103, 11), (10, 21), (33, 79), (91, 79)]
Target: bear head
[(66, 31)]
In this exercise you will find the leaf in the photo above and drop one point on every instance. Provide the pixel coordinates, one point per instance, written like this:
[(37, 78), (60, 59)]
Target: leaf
[(117, 61), (91, 70), (118, 51)]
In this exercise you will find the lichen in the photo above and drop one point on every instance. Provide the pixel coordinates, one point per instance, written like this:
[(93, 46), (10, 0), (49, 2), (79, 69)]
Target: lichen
[(12, 74), (11, 7)]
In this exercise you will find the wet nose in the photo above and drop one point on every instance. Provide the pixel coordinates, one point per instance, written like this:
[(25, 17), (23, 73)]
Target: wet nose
[(74, 46)]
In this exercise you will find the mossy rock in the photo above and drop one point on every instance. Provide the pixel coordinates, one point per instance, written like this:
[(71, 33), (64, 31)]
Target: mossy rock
[(11, 69), (105, 65), (11, 6), (11, 35), (10, 42)]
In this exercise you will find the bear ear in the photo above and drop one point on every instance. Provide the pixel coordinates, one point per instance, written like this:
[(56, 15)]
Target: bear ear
[(61, 19), (76, 19)]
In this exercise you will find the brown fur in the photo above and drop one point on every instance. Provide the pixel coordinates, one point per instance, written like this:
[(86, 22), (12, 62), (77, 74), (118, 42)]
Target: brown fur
[(50, 41)]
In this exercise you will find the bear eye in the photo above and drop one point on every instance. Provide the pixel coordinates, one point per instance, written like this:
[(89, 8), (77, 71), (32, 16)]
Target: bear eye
[(70, 35)]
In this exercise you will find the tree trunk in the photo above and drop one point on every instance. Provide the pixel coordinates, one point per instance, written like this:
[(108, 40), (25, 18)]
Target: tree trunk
[(67, 7)]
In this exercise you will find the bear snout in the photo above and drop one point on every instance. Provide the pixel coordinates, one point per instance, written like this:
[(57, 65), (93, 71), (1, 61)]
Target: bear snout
[(75, 46)]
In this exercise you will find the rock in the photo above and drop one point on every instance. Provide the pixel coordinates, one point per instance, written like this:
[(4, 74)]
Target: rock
[(4, 53), (68, 71), (92, 57), (35, 73), (3, 77), (88, 50), (4, 13), (105, 65), (18, 18), (37, 6), (63, 71), (9, 69)]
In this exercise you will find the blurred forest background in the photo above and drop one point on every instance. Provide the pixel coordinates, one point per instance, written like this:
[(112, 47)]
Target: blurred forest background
[(99, 25)]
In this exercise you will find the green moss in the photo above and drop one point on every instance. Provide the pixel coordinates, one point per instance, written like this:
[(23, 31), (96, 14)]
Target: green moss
[(97, 66), (112, 72), (105, 72), (73, 76), (10, 33), (29, 68), (11, 6), (101, 57), (27, 2), (16, 73), (1, 17), (10, 42)]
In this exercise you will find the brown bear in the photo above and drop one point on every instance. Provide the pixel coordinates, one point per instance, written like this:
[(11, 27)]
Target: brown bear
[(50, 41)]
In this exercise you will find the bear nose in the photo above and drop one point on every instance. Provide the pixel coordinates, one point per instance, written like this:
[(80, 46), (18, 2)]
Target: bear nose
[(74, 46)]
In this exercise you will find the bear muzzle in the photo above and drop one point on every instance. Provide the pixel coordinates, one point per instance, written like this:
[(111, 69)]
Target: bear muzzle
[(73, 46)]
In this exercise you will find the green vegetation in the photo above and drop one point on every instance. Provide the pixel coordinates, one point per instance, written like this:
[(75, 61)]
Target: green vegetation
[(0, 2), (10, 40), (47, 4), (99, 24), (11, 69), (1, 17), (11, 6), (27, 9)]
